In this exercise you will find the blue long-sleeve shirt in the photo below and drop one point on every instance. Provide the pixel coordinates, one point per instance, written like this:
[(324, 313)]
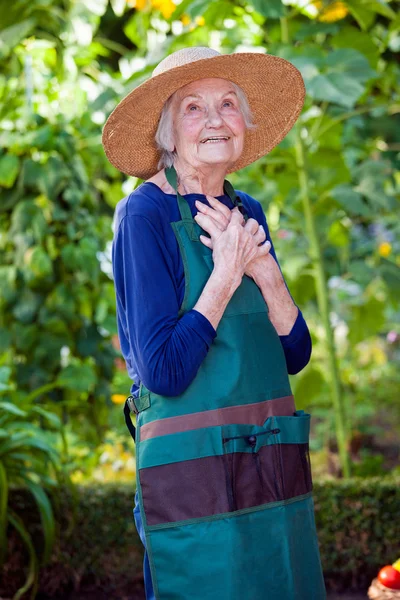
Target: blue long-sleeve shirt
[(160, 349)]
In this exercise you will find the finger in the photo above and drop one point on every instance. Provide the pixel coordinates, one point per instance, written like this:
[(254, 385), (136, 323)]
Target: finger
[(264, 249), (220, 219), (260, 236), (206, 241), (217, 205), (208, 224), (252, 226), (236, 217)]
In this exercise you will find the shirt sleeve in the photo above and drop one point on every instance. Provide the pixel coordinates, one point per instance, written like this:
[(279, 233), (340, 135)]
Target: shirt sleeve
[(297, 344), (168, 350)]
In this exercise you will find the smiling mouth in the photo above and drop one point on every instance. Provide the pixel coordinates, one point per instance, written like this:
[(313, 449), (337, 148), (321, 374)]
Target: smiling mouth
[(215, 139)]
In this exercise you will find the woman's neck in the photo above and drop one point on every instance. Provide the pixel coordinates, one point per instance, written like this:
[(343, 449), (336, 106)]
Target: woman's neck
[(208, 181)]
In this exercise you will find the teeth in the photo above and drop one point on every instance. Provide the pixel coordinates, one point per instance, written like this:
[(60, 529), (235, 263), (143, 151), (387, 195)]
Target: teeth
[(215, 140)]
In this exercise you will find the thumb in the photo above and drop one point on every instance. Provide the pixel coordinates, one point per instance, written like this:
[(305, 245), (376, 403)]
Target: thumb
[(206, 241), (237, 217)]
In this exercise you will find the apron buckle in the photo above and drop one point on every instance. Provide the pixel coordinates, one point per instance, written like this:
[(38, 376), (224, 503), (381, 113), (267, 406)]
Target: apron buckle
[(132, 406)]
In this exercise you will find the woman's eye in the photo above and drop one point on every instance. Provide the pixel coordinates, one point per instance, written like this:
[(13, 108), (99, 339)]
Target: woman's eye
[(193, 107), (228, 103)]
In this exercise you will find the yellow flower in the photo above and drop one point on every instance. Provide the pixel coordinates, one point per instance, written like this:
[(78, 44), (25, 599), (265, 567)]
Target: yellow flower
[(185, 20), (118, 398), (138, 4), (200, 21), (166, 7), (333, 12), (385, 248)]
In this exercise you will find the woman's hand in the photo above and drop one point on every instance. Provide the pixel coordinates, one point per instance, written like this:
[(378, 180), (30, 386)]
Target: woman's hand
[(263, 268), (234, 247), (221, 215)]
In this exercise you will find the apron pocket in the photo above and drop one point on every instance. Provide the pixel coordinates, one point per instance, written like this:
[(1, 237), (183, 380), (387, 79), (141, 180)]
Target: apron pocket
[(200, 473), (270, 465), (184, 490), (292, 455)]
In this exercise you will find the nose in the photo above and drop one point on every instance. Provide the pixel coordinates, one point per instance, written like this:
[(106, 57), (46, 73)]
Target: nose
[(214, 118)]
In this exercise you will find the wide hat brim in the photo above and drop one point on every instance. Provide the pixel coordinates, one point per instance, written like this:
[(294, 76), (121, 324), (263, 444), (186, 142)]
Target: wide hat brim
[(273, 86)]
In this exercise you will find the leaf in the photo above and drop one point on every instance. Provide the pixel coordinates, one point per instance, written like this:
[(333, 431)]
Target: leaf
[(339, 77), (5, 374), (40, 263), (26, 218), (366, 320), (52, 418), (351, 63), (307, 386), (335, 88), (362, 15), (79, 378), (33, 569), (12, 36), (8, 283), (46, 515), (27, 306), (192, 8), (274, 9), (352, 37), (22, 440), (372, 176), (364, 11), (5, 342), (390, 273), (3, 513), (101, 311), (12, 409), (9, 167), (350, 200)]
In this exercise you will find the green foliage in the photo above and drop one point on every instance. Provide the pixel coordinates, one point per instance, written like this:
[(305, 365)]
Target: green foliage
[(57, 307), (96, 541), (28, 460), (358, 529)]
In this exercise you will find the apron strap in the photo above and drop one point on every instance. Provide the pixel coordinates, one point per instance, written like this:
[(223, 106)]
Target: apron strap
[(129, 407), (184, 208)]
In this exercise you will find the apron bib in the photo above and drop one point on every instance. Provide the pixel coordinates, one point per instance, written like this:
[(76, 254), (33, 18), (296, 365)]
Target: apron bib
[(223, 470)]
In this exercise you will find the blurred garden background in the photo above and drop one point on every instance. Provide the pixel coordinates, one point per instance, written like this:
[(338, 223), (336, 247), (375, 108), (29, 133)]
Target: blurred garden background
[(330, 191)]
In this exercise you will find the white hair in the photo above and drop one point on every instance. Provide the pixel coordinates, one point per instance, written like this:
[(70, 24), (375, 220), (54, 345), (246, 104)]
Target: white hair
[(164, 133)]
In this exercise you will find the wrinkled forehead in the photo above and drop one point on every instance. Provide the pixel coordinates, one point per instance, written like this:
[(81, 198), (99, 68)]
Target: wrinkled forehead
[(203, 87)]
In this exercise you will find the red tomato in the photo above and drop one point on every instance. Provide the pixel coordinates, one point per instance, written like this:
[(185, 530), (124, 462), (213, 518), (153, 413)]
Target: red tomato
[(389, 577)]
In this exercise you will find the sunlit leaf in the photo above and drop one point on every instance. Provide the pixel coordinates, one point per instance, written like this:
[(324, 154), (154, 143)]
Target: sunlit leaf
[(274, 9), (9, 166)]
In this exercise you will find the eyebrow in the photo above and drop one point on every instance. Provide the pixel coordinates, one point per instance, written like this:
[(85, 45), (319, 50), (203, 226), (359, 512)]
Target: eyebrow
[(199, 97)]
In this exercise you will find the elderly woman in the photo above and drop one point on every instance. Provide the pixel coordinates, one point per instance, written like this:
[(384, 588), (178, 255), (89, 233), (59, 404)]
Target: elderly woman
[(209, 332)]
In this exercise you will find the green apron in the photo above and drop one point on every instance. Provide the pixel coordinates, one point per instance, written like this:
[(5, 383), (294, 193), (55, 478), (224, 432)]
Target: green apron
[(223, 470)]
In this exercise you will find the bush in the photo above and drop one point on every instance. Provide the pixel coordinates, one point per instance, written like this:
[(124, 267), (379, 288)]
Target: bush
[(358, 528), (97, 544)]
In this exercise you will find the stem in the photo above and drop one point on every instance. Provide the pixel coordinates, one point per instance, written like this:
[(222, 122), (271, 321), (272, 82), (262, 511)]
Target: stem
[(42, 390), (284, 30), (323, 306)]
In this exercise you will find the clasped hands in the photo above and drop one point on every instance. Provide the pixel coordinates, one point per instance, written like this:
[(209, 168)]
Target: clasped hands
[(244, 238)]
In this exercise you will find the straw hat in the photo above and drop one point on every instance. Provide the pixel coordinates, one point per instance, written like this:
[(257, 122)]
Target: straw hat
[(273, 86)]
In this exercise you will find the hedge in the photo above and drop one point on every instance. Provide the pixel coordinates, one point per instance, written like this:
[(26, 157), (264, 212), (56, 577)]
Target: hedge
[(358, 522)]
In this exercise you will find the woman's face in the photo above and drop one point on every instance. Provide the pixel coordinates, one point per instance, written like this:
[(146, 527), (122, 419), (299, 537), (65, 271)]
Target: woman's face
[(209, 127)]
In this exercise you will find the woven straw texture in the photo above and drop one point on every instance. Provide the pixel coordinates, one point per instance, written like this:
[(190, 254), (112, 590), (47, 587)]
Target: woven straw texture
[(377, 591), (273, 86)]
